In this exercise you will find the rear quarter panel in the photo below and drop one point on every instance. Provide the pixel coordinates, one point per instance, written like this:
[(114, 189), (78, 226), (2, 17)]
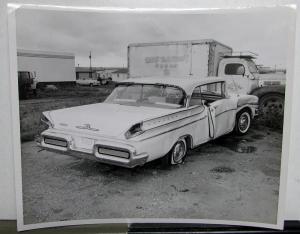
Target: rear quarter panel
[(158, 140)]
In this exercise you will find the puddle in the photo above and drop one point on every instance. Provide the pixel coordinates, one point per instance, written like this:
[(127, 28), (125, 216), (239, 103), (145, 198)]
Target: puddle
[(222, 169), (180, 190), (183, 190), (245, 149), (236, 145)]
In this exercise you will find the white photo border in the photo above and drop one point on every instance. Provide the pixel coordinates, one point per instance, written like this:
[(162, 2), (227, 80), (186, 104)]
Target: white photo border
[(16, 124)]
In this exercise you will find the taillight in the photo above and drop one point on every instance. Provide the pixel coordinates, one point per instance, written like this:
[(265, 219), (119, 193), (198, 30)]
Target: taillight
[(135, 130)]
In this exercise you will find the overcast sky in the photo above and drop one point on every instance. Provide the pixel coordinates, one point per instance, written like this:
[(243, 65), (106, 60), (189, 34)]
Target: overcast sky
[(107, 35)]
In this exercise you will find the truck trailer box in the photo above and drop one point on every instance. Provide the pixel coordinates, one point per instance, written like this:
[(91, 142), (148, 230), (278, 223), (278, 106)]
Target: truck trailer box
[(49, 67), (193, 58)]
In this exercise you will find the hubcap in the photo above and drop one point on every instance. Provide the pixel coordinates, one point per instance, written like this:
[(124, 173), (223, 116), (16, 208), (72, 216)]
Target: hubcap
[(179, 152), (244, 122)]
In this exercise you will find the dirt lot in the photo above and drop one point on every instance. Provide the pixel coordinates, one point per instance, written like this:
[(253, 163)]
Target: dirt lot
[(231, 178)]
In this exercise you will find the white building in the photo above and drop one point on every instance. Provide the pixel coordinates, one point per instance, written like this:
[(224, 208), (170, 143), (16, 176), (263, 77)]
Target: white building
[(119, 74), (49, 67)]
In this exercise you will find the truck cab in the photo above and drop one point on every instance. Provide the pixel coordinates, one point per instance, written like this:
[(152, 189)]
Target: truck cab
[(240, 72), (243, 77)]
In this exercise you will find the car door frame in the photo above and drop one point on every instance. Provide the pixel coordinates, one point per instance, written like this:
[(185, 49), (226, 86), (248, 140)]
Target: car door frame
[(221, 113), (204, 124)]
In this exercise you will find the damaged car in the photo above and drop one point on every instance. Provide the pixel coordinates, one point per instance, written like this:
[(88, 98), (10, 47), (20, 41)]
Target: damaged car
[(145, 119)]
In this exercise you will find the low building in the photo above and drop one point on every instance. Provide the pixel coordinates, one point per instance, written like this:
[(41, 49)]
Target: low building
[(120, 74), (87, 72), (113, 73), (48, 67)]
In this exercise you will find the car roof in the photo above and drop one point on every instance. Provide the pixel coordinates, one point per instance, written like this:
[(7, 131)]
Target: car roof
[(187, 84)]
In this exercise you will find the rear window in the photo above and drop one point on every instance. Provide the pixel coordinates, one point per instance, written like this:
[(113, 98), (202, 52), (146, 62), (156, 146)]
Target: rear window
[(150, 95)]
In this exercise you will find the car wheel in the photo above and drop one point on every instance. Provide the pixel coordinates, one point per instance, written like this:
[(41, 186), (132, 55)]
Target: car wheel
[(243, 122), (177, 154), (91, 85)]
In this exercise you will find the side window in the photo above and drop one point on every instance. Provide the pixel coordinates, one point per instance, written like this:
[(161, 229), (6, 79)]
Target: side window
[(197, 92), (196, 97), (234, 69), (214, 89)]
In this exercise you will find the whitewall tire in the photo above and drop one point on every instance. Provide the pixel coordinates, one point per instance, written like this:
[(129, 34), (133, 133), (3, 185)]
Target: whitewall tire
[(177, 154), (243, 122)]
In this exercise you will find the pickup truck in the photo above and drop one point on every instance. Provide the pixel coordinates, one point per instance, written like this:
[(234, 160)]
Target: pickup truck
[(88, 82), (208, 58)]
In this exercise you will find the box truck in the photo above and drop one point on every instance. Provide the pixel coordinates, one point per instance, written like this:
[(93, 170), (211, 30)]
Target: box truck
[(207, 58)]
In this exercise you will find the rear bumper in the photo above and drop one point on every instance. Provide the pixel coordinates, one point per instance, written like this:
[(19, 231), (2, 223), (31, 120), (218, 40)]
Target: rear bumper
[(92, 153)]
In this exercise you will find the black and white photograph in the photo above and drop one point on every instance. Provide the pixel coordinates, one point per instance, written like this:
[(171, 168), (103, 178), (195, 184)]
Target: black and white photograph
[(152, 116)]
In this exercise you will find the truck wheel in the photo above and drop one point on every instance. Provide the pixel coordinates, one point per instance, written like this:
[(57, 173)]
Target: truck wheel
[(243, 122), (271, 104), (177, 154)]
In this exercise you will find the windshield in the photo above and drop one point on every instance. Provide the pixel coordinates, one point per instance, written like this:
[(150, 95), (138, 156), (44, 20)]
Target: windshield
[(156, 95), (252, 66)]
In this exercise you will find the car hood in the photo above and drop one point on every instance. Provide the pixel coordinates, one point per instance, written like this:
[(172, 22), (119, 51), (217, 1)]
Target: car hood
[(103, 118)]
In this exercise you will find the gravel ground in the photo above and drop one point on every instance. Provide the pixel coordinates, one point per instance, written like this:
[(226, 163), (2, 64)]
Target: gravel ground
[(231, 178)]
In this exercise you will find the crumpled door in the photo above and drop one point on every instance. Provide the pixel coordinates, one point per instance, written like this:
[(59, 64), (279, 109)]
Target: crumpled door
[(222, 114)]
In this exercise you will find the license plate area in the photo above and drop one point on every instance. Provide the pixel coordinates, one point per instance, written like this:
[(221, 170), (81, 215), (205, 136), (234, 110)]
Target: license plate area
[(83, 143)]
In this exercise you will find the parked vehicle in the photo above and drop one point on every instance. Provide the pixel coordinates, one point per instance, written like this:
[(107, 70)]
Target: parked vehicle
[(148, 118), (208, 58), (104, 78), (27, 84), (104, 81), (88, 82)]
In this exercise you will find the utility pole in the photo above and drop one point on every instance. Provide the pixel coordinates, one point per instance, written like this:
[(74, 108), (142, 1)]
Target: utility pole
[(90, 57)]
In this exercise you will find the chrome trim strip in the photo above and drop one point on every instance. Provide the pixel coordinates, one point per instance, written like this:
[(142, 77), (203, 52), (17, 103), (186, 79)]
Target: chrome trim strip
[(175, 128), (187, 109), (175, 121), (224, 112)]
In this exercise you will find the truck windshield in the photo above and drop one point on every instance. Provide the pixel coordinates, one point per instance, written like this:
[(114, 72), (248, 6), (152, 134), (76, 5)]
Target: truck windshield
[(149, 95), (252, 66)]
